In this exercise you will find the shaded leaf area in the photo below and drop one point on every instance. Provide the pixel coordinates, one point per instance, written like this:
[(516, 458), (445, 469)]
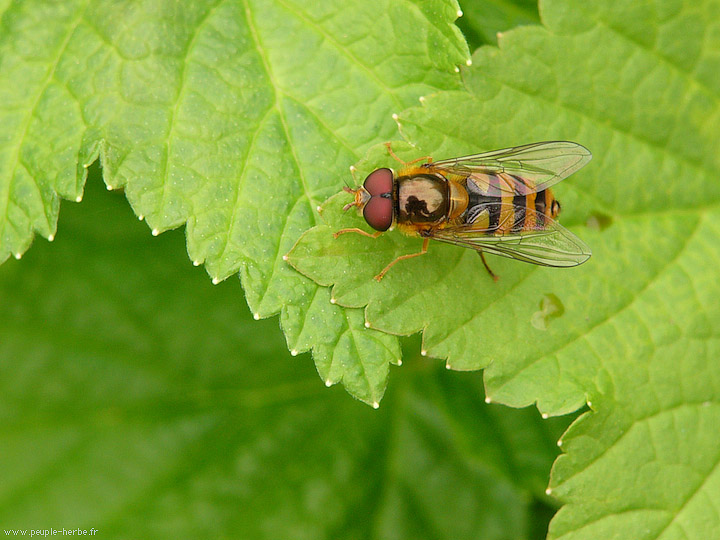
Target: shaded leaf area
[(232, 117), (481, 21), (135, 403), (637, 334)]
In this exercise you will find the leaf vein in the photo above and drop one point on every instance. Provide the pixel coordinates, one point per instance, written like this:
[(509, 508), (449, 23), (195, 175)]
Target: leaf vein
[(239, 185), (623, 433), (25, 126), (178, 100), (687, 75), (345, 52)]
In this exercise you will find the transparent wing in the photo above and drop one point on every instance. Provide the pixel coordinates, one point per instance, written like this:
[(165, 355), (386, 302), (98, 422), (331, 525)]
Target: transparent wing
[(548, 245), (517, 171)]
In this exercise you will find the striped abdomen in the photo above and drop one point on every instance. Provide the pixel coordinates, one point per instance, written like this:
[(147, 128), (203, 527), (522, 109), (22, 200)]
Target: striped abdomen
[(500, 213)]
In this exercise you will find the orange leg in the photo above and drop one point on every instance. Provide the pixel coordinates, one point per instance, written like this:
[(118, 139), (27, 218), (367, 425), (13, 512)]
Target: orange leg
[(357, 231), (492, 274), (406, 163), (423, 251)]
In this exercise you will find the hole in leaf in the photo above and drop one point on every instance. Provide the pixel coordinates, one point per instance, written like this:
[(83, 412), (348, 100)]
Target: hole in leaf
[(550, 308), (599, 222)]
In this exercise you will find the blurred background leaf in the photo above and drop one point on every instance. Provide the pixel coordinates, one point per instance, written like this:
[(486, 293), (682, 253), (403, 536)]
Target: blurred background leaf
[(482, 20)]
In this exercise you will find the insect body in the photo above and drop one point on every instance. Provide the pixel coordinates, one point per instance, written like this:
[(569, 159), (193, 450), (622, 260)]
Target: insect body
[(498, 201)]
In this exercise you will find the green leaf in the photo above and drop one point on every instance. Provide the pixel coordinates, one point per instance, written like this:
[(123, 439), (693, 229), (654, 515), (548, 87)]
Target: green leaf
[(138, 399), (234, 118), (636, 331)]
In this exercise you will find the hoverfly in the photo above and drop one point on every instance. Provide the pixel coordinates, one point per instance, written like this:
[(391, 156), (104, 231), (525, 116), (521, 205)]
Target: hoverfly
[(497, 202)]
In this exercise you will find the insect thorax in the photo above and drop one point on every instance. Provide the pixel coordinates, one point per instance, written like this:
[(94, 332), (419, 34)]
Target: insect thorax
[(422, 198)]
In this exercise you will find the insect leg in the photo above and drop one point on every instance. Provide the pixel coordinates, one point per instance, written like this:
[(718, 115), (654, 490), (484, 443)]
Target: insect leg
[(492, 274), (357, 231), (423, 251), (406, 163)]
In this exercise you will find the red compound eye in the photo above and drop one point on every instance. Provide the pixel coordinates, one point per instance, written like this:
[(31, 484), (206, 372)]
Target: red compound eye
[(378, 212), (379, 181)]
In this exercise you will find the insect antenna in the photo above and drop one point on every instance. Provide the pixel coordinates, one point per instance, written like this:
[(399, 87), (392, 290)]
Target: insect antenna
[(349, 189)]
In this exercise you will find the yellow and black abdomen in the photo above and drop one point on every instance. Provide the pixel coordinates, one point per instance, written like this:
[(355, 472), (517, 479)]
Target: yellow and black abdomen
[(499, 212), (530, 212), (546, 206)]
